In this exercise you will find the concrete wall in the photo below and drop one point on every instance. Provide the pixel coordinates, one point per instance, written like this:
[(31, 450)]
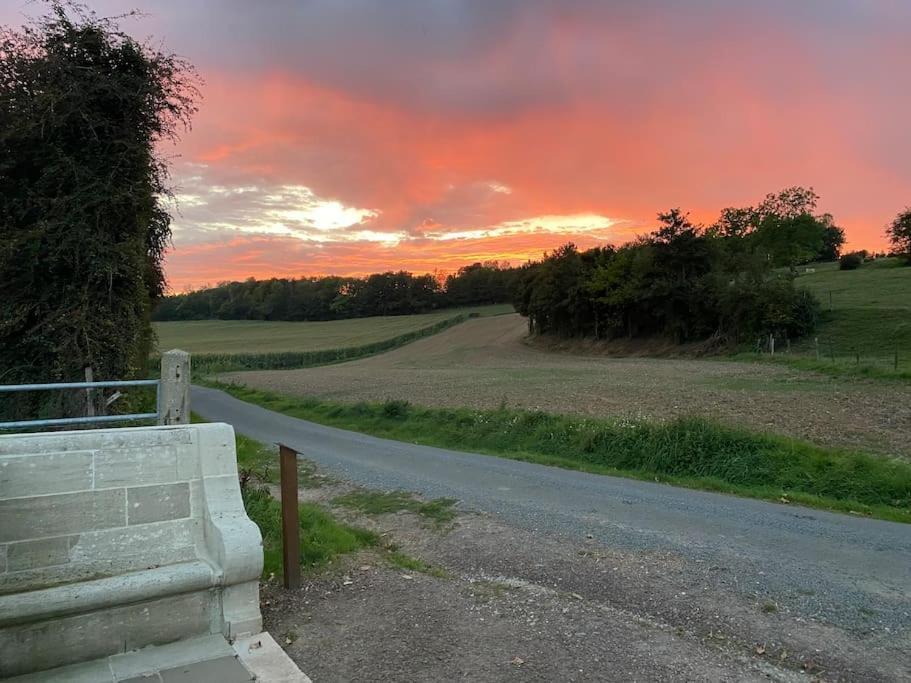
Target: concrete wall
[(115, 539)]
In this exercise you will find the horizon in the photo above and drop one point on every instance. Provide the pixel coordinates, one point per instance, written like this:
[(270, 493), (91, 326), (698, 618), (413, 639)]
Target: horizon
[(351, 138)]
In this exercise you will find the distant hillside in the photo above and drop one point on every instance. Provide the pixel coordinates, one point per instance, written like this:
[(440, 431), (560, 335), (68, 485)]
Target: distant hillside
[(865, 311)]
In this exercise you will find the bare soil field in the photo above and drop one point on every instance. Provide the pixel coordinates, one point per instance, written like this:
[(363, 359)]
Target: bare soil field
[(486, 363)]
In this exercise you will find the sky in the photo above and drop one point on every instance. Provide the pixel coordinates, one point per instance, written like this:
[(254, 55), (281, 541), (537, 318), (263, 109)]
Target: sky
[(351, 137)]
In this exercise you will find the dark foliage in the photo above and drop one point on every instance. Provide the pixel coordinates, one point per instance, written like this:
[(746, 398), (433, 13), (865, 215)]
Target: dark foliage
[(334, 298), (683, 282), (83, 226), (851, 261), (899, 234)]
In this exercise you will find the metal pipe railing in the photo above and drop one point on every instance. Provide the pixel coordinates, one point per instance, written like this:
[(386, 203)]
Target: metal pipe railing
[(59, 421)]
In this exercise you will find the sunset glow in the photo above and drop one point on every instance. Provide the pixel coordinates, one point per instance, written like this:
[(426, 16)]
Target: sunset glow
[(353, 137)]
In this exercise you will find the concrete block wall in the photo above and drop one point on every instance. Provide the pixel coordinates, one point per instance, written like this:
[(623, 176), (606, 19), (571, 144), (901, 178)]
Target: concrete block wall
[(119, 538)]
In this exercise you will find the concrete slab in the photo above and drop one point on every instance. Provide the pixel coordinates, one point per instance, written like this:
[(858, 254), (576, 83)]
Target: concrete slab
[(267, 661), (208, 659), (221, 670)]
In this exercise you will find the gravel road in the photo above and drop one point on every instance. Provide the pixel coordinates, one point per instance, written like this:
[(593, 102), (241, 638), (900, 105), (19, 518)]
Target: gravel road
[(850, 572)]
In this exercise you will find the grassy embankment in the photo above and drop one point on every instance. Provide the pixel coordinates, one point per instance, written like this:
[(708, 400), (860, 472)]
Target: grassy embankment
[(690, 452), (229, 345), (322, 536), (865, 323)]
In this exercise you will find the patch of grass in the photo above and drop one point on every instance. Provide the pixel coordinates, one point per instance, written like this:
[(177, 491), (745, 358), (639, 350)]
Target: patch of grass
[(323, 538), (488, 590), (690, 452), (768, 607), (413, 564), (438, 511)]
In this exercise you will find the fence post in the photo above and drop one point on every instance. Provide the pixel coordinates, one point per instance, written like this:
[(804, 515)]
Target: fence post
[(174, 396), (291, 527), (816, 343)]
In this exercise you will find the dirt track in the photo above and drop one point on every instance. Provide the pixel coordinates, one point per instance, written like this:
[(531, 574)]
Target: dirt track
[(485, 362)]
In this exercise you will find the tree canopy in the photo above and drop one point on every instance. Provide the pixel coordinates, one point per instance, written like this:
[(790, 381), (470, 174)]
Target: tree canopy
[(899, 234), (682, 281), (83, 193)]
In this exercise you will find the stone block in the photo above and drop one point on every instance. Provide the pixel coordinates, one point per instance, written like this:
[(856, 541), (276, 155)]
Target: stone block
[(136, 466), (52, 643), (44, 552), (44, 473), (158, 503), (61, 514)]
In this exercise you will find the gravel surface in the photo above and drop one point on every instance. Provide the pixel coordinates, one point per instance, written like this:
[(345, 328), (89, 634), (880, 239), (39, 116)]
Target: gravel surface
[(486, 362), (689, 560)]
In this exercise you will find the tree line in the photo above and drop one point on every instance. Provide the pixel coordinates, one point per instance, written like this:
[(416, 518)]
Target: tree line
[(334, 298), (727, 282)]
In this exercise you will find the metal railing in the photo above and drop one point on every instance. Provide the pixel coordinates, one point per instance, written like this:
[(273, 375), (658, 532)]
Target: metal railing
[(92, 419)]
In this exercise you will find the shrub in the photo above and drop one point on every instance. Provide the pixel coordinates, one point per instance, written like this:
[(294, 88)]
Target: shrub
[(850, 261), (396, 408)]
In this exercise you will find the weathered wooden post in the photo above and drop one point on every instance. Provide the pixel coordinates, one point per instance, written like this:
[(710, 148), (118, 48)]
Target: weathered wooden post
[(291, 527), (174, 396)]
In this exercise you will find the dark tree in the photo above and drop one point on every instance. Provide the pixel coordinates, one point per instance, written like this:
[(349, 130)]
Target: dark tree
[(899, 234), (83, 219)]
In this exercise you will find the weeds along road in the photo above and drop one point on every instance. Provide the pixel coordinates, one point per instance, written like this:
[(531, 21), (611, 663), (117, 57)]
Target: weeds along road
[(851, 572)]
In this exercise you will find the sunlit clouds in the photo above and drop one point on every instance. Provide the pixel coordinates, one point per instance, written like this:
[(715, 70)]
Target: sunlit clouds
[(351, 136)]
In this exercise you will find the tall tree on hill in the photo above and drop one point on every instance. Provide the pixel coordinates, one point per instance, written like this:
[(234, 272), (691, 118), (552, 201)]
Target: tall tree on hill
[(899, 234), (83, 223)]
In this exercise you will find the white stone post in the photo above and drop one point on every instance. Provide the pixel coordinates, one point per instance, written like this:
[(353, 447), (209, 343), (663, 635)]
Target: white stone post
[(174, 396)]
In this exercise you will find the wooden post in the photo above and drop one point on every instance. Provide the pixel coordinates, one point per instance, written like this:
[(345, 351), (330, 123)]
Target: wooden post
[(174, 393), (89, 406), (816, 343), (291, 527), (771, 344)]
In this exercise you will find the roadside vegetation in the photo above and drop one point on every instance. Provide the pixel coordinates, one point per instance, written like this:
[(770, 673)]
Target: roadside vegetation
[(689, 452), (323, 538), (86, 117)]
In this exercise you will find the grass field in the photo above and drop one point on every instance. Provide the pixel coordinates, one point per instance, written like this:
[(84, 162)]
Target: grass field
[(866, 317), (260, 336)]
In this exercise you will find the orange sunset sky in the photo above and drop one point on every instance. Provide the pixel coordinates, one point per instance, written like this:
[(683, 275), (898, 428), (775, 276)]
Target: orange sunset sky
[(353, 137)]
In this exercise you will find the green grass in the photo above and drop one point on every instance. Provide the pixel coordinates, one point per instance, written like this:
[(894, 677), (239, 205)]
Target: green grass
[(263, 345), (323, 538), (261, 462), (413, 564), (689, 452), (866, 320), (438, 511)]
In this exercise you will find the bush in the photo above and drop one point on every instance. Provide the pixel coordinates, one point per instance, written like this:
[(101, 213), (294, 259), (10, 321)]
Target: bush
[(396, 408), (851, 261)]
